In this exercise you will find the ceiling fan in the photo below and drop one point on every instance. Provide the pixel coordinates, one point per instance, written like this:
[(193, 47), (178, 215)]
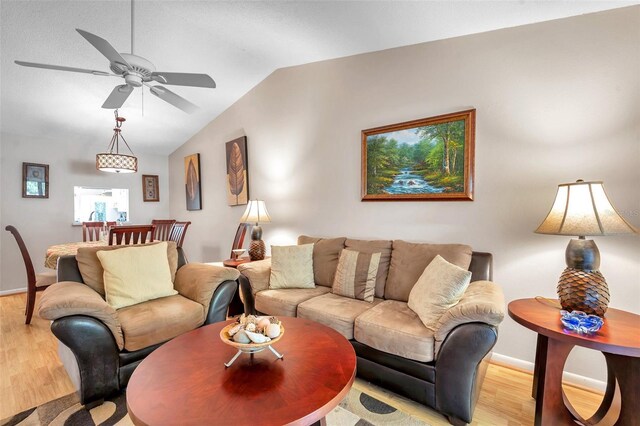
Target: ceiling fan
[(136, 71)]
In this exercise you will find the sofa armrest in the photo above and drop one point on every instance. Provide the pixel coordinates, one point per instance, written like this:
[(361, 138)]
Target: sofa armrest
[(198, 281), (69, 298), (258, 274), (482, 302)]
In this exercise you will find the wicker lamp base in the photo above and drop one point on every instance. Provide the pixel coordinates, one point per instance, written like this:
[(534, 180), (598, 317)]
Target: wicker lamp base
[(257, 250), (581, 290)]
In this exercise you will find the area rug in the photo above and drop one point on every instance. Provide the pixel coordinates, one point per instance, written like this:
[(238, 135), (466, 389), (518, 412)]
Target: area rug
[(357, 409)]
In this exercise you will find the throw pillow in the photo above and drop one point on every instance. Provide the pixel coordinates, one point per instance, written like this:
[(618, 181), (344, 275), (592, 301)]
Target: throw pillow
[(326, 252), (292, 267), (356, 275), (439, 288), (134, 275)]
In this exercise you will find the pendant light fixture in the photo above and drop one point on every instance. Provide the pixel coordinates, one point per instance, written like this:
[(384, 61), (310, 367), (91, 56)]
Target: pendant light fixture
[(112, 161)]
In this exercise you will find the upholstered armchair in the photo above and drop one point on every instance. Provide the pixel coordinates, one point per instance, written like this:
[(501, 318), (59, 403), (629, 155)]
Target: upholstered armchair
[(100, 346)]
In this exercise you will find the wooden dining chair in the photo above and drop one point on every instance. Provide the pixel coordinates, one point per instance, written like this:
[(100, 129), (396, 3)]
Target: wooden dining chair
[(178, 232), (111, 224), (163, 228), (35, 282), (135, 234), (91, 231)]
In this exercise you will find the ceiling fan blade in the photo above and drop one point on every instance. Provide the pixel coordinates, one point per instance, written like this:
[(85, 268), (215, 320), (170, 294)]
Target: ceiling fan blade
[(104, 47), (175, 100), (117, 97), (61, 68), (183, 79)]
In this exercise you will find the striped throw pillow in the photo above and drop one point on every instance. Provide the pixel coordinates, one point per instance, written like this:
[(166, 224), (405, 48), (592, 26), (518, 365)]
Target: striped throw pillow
[(356, 275)]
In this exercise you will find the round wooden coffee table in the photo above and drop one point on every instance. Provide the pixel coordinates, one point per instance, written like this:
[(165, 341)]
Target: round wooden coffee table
[(185, 381), (619, 342)]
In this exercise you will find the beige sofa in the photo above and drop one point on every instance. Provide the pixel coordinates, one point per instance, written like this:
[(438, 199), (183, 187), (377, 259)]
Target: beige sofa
[(393, 346)]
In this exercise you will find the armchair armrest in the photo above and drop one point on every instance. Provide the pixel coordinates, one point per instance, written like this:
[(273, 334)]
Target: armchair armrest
[(69, 298), (482, 302), (198, 281), (257, 273)]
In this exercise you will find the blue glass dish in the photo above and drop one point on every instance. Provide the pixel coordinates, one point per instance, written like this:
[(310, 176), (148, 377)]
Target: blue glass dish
[(580, 322)]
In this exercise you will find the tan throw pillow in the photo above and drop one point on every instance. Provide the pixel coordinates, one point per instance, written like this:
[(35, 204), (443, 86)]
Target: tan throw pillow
[(439, 288), (91, 269), (356, 275), (375, 246), (292, 266), (134, 275)]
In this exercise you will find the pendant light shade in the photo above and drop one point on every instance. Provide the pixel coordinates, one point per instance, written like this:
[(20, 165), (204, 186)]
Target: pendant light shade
[(113, 161)]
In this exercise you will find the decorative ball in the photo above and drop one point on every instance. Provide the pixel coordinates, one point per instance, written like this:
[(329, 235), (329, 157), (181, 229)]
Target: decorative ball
[(250, 327), (263, 323)]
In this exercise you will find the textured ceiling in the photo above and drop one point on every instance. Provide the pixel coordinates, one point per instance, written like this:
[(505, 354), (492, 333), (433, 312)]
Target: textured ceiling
[(237, 43)]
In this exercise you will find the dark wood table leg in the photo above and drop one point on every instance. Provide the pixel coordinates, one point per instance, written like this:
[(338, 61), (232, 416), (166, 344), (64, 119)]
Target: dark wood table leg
[(536, 367), (627, 372), (550, 408)]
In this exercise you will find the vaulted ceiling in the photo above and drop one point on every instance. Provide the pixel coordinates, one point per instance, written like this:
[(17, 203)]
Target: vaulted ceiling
[(238, 43)]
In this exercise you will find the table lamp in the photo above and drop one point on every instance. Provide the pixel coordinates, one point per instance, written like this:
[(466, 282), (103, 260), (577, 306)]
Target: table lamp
[(583, 209), (257, 213)]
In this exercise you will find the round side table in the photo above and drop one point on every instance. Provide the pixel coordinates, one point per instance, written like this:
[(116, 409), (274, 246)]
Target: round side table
[(619, 342)]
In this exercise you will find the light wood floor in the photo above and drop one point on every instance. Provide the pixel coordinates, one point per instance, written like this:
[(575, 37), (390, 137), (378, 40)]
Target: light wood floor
[(31, 374)]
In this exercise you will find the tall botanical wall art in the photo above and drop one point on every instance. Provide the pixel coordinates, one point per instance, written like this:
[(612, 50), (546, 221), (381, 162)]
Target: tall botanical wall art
[(237, 173), (192, 181), (430, 159)]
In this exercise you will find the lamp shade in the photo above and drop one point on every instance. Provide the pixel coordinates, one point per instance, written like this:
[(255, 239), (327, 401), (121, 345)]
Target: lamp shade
[(116, 163), (256, 212), (581, 209)]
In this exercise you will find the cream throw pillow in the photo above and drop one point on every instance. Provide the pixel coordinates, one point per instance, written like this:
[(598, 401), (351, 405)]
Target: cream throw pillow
[(356, 275), (134, 275), (292, 267), (439, 288)]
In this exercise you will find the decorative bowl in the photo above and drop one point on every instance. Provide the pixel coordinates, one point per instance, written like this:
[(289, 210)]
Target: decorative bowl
[(247, 347), (237, 253), (580, 322)]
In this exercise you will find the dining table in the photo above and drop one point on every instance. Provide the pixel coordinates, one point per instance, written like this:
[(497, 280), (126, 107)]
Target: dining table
[(67, 249)]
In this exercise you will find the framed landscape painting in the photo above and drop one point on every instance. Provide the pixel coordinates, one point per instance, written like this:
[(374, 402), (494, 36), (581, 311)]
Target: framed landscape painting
[(237, 174), (430, 159), (192, 181)]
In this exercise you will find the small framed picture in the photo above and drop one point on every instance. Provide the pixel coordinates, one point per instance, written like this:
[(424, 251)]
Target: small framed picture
[(150, 188), (35, 180)]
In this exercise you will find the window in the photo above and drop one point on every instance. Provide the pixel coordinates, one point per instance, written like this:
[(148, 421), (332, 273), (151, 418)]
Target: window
[(100, 204)]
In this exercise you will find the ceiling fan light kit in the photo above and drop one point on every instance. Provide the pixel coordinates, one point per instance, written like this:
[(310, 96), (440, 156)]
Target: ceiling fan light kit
[(113, 161)]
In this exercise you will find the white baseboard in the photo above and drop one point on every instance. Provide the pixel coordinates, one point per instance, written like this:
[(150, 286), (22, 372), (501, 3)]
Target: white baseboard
[(569, 378), (14, 291)]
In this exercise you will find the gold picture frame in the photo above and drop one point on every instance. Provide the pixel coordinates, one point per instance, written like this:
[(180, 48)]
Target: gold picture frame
[(431, 159)]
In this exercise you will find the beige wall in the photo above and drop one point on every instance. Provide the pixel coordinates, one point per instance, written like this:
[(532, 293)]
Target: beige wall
[(555, 102), (44, 222)]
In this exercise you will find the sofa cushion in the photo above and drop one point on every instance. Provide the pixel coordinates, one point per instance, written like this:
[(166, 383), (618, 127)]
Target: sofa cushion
[(335, 311), (92, 271), (284, 302), (439, 288), (375, 246), (356, 275), (159, 320), (291, 267), (136, 274), (392, 327), (408, 261), (326, 252)]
